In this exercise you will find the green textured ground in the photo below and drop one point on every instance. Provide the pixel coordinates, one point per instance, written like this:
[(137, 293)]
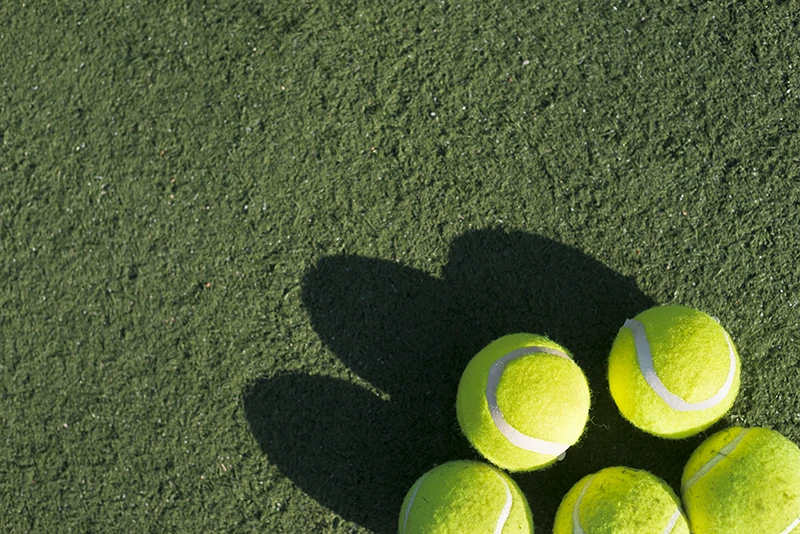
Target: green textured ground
[(246, 249)]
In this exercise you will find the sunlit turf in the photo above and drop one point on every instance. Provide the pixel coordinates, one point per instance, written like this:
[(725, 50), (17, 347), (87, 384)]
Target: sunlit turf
[(246, 248)]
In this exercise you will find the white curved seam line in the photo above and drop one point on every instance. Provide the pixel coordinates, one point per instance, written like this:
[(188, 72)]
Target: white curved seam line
[(792, 526), (411, 501), (673, 520), (645, 357), (577, 528), (723, 453), (506, 512), (517, 438)]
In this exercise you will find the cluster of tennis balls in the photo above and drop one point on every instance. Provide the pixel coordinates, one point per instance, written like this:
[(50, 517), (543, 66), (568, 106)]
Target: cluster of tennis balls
[(673, 372)]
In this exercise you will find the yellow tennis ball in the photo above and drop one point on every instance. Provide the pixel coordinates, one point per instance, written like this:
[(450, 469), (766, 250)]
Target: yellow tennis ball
[(673, 371), (522, 402), (465, 497), (743, 481), (620, 500)]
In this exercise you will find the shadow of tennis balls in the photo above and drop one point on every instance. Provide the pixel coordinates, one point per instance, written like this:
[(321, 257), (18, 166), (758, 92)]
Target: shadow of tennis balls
[(405, 336)]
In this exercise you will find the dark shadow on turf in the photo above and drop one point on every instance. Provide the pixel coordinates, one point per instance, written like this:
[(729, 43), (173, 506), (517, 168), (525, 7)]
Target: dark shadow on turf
[(410, 336)]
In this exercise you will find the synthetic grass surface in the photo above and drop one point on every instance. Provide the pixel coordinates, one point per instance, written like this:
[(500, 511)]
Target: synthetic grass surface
[(246, 249)]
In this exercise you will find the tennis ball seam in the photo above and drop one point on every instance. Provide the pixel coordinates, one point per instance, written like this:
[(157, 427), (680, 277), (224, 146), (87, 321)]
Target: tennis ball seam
[(673, 521), (414, 492), (723, 453), (526, 398), (502, 519), (743, 480), (791, 527), (644, 357), (576, 517), (514, 436), (577, 525)]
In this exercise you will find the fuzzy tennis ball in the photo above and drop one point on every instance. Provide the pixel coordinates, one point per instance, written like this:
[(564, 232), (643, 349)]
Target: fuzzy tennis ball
[(463, 497), (673, 371), (620, 500), (743, 481), (522, 402)]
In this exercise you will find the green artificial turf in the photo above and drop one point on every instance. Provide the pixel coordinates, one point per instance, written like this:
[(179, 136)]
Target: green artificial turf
[(247, 248)]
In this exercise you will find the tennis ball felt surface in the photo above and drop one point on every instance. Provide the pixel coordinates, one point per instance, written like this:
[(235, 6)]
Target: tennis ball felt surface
[(673, 371), (620, 500), (522, 402), (465, 497), (743, 481)]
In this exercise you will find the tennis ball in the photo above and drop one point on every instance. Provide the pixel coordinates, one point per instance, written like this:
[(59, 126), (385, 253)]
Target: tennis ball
[(522, 402), (673, 371), (620, 500), (463, 497), (741, 481)]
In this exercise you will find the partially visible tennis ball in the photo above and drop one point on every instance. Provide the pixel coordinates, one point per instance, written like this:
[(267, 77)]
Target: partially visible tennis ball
[(673, 371), (620, 500), (743, 481), (464, 497), (522, 402)]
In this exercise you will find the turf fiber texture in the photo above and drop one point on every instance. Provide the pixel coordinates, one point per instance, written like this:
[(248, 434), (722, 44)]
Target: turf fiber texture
[(247, 248)]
